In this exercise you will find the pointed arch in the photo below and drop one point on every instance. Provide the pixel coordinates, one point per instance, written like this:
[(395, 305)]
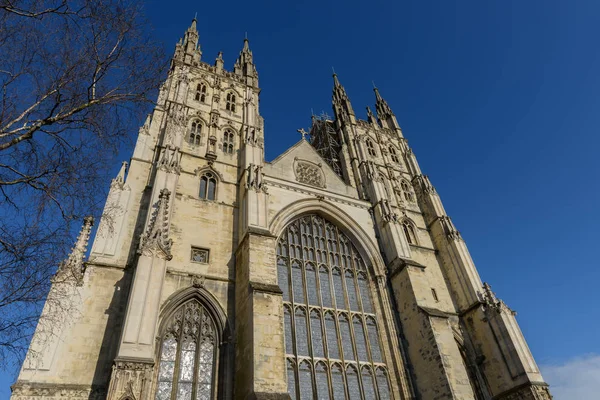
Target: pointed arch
[(365, 246), (192, 345), (410, 231)]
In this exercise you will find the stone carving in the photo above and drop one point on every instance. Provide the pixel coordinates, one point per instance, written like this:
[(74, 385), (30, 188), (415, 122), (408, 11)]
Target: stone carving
[(73, 266), (130, 379), (251, 137), (255, 178), (387, 213), (372, 173), (119, 181), (492, 302), (198, 281), (155, 240), (451, 232), (28, 391), (424, 184), (145, 129), (529, 392), (170, 160), (309, 174)]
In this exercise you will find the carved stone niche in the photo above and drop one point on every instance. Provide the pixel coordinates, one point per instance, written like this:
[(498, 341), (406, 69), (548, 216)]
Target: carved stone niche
[(309, 173), (131, 379)]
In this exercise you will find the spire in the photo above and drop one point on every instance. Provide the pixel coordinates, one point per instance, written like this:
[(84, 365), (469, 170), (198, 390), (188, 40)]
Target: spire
[(188, 50), (370, 116), (244, 65), (73, 265), (386, 117), (382, 107), (341, 103)]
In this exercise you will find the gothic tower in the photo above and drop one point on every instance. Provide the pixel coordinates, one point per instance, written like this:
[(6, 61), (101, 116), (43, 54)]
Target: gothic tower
[(332, 272)]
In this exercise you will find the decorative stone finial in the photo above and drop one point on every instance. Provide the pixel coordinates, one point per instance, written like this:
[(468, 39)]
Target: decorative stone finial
[(119, 180), (73, 266), (155, 240)]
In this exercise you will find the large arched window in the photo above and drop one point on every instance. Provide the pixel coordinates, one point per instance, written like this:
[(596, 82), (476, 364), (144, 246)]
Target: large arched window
[(331, 336), (188, 354), (208, 186)]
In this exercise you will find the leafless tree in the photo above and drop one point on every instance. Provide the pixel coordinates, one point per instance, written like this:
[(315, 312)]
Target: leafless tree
[(75, 76)]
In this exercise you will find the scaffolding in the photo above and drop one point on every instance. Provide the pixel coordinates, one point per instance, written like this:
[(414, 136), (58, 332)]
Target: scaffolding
[(324, 138)]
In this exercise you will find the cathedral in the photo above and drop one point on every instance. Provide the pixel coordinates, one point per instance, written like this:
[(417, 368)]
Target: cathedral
[(331, 272)]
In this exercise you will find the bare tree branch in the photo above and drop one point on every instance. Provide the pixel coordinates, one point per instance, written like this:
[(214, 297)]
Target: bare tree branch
[(76, 78)]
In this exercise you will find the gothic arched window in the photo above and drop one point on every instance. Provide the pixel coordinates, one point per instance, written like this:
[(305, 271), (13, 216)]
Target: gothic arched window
[(230, 102), (195, 133), (408, 194), (208, 186), (371, 148), (188, 354), (393, 154), (228, 142), (201, 92), (332, 341), (409, 232)]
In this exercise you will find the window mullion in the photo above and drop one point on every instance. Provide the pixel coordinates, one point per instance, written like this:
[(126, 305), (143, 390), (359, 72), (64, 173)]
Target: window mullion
[(197, 356)]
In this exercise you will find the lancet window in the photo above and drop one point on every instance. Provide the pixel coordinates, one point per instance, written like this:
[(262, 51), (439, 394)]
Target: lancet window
[(208, 186), (230, 102), (406, 190), (409, 232), (188, 354), (393, 154), (201, 92), (371, 148), (228, 142), (195, 133), (332, 340)]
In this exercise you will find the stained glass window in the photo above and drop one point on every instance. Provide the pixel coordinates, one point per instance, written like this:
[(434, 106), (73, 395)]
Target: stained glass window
[(353, 386), (322, 384), (188, 353), (305, 376), (382, 384), (317, 334), (367, 382), (361, 341), (373, 340), (328, 313), (291, 377), (337, 378)]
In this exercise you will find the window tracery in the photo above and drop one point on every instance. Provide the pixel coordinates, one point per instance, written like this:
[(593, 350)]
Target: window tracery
[(228, 139), (407, 191), (230, 102), (371, 148), (409, 232), (195, 133), (208, 186), (331, 332), (393, 154), (189, 348), (200, 93)]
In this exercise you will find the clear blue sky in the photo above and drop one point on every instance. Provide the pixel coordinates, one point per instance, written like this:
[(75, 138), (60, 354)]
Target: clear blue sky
[(499, 101)]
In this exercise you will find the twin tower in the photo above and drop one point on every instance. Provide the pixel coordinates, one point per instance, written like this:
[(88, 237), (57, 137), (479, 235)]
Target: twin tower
[(331, 272)]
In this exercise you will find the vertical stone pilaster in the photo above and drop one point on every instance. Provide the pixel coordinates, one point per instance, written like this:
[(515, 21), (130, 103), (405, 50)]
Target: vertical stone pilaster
[(260, 354)]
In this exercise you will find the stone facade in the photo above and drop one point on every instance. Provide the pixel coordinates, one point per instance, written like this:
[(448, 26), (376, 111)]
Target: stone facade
[(195, 222)]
